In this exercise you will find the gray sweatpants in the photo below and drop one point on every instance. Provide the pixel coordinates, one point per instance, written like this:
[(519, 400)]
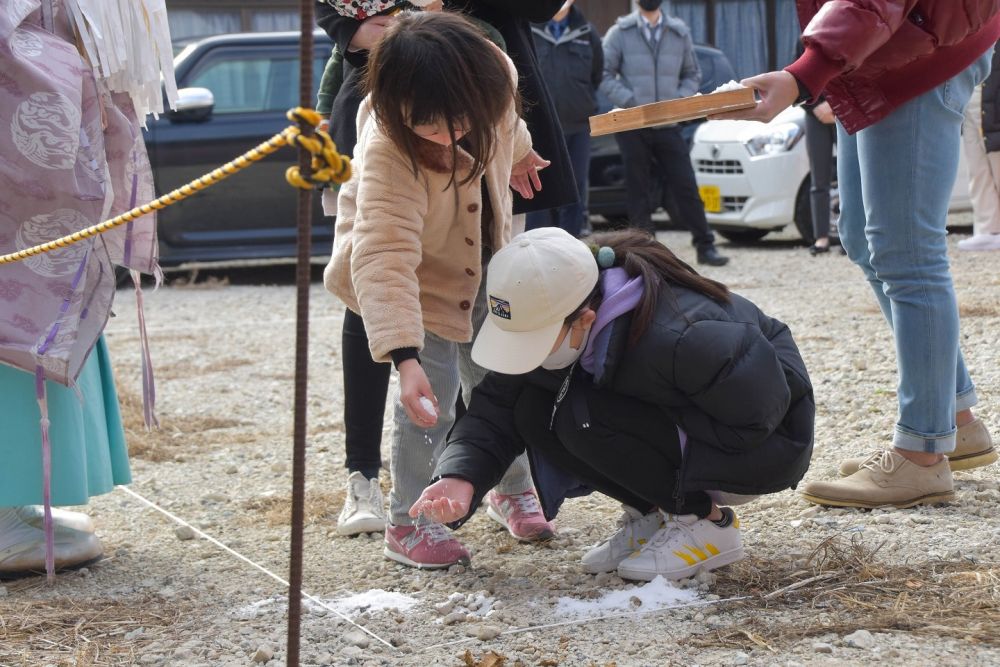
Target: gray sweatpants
[(449, 368)]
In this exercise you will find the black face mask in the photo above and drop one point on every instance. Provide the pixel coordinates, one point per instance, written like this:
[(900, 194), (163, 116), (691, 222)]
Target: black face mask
[(650, 5)]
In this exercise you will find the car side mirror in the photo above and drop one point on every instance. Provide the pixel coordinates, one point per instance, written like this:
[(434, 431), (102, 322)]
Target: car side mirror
[(194, 105)]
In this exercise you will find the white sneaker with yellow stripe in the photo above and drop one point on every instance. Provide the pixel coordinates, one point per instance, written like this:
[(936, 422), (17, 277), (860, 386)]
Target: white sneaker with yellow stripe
[(634, 530), (685, 546)]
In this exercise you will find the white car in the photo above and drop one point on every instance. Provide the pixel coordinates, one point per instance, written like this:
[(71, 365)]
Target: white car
[(754, 177)]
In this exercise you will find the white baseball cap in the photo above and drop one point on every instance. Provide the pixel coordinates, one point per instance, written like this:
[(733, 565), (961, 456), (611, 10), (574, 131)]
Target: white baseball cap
[(532, 285)]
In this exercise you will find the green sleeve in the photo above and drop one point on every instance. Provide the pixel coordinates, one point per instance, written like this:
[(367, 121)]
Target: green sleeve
[(329, 85)]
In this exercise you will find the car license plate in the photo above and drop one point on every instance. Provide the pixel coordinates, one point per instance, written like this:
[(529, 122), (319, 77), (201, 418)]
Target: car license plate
[(712, 198)]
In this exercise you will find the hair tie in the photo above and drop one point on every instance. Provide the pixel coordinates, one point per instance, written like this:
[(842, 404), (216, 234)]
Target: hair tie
[(605, 257)]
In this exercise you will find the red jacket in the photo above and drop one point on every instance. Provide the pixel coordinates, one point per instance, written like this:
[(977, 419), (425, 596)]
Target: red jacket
[(868, 57)]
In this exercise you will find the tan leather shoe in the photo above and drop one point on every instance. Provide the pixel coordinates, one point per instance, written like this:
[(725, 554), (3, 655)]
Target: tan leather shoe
[(973, 449), (885, 478), (73, 548), (34, 515)]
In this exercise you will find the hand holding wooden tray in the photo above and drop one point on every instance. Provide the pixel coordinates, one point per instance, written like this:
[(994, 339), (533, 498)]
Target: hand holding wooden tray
[(672, 111)]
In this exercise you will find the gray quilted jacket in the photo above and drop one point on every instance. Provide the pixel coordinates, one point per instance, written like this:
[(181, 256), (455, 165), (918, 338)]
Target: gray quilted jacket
[(637, 73)]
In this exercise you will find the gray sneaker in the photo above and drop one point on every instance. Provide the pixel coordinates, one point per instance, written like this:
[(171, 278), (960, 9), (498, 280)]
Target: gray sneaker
[(635, 529), (364, 508)]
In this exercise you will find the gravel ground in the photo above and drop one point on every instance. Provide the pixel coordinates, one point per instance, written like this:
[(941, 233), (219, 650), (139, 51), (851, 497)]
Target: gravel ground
[(909, 587)]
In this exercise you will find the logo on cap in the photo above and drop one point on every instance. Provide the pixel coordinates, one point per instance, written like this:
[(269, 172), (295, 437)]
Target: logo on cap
[(499, 307)]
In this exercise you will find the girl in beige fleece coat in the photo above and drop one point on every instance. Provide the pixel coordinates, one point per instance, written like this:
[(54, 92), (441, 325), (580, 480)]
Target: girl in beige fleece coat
[(440, 141)]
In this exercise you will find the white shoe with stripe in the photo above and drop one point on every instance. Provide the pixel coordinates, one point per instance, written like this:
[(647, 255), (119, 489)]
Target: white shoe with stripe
[(685, 546), (634, 530)]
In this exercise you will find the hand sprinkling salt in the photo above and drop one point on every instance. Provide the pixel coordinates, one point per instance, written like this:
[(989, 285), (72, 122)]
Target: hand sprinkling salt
[(428, 406)]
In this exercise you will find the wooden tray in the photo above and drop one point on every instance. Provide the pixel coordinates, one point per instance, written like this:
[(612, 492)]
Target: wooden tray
[(672, 111)]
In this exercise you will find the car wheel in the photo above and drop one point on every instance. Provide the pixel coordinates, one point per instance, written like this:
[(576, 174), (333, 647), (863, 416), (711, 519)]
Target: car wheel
[(743, 236)]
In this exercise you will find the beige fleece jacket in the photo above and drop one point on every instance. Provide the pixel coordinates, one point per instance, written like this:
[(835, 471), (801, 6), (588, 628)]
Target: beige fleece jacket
[(407, 252)]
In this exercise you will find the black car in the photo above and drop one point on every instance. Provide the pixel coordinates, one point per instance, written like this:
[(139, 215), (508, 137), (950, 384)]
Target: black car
[(235, 90), (607, 174)]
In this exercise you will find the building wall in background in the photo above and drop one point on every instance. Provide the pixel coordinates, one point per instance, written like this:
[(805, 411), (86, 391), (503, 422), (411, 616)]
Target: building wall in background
[(200, 18)]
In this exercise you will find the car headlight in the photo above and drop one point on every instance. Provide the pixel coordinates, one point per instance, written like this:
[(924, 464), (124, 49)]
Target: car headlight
[(778, 139)]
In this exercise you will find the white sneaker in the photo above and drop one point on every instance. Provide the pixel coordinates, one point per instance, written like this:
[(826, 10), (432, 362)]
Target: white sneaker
[(22, 547), (685, 546), (34, 515), (980, 242), (364, 508), (635, 529)]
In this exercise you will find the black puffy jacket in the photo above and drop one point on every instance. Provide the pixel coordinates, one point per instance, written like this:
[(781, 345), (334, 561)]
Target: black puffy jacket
[(727, 374)]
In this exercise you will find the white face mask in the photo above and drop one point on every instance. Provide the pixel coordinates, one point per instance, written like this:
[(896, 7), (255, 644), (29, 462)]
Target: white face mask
[(565, 356)]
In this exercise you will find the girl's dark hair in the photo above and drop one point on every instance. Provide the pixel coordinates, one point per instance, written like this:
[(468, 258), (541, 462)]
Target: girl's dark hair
[(436, 66), (642, 255)]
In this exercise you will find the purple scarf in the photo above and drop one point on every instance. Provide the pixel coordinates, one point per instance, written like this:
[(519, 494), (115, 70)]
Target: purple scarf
[(621, 296)]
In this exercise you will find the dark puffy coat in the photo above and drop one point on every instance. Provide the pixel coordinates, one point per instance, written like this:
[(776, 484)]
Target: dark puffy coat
[(571, 68), (512, 18), (991, 107), (870, 56), (730, 376)]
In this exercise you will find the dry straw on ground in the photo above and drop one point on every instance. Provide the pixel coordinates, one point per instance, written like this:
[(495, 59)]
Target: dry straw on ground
[(176, 435), (320, 507), (845, 586), (81, 632)]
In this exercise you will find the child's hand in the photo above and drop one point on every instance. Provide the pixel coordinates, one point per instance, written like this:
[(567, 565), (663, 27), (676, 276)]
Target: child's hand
[(444, 501), (369, 33), (524, 174), (414, 385)]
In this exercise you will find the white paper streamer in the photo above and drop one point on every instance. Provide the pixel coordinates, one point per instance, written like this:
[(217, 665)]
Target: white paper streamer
[(127, 42)]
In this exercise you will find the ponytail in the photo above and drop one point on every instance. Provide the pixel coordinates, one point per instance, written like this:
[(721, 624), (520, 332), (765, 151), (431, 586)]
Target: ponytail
[(640, 254)]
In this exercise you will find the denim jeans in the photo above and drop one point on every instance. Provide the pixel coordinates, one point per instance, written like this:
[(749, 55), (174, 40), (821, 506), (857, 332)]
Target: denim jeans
[(572, 216), (895, 179)]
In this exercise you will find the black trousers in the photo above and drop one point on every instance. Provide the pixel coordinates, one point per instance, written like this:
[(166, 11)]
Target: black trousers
[(630, 451), (662, 153), (366, 386), (820, 138)]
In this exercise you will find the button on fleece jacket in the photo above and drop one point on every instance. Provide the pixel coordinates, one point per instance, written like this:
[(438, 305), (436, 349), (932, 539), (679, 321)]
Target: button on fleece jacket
[(403, 241), (636, 72)]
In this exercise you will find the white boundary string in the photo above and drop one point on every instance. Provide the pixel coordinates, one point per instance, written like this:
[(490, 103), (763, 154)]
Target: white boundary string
[(176, 519), (581, 621), (577, 621)]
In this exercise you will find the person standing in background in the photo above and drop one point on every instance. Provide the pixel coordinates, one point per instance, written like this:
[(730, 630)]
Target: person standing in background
[(981, 138), (649, 57), (572, 63), (821, 137)]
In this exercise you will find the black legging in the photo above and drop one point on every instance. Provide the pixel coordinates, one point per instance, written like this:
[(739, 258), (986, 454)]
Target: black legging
[(366, 386), (630, 450), (820, 138)]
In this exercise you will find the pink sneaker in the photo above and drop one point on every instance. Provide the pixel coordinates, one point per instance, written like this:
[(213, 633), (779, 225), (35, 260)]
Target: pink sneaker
[(520, 514), (429, 546)]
